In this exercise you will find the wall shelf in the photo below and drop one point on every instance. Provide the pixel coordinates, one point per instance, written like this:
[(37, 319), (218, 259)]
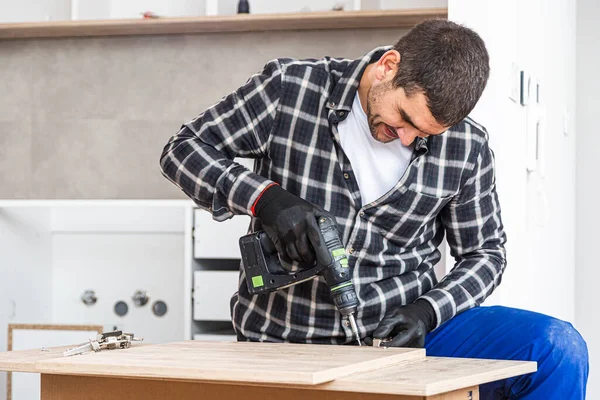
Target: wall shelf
[(215, 24)]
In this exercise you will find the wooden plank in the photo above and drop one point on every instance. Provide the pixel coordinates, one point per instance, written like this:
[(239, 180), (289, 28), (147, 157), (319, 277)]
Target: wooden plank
[(24, 360), (431, 376), (42, 327), (65, 387), (399, 19), (264, 363)]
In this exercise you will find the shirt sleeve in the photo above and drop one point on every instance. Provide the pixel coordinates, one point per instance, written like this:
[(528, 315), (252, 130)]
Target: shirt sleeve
[(199, 159), (476, 237)]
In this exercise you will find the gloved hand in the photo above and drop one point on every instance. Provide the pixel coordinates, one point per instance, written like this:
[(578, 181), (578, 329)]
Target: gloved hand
[(407, 326), (291, 224)]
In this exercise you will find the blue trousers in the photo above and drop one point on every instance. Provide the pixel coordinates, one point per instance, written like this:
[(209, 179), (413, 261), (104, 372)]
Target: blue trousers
[(513, 334)]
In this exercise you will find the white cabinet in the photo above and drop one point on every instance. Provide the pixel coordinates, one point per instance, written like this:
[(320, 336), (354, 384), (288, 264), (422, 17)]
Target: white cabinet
[(52, 251), (212, 292)]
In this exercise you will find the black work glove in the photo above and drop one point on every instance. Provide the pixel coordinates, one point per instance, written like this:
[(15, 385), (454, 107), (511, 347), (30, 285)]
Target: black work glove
[(406, 326), (291, 224)]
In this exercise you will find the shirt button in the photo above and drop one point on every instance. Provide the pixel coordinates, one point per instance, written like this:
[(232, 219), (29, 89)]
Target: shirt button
[(346, 176), (346, 322), (341, 113), (351, 250), (331, 104), (362, 213)]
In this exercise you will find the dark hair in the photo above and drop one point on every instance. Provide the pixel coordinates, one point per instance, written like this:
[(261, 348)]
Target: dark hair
[(448, 63)]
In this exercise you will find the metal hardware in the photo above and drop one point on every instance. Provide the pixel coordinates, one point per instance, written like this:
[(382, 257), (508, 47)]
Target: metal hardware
[(107, 340), (140, 298), (89, 298), (379, 342), (159, 308), (121, 308)]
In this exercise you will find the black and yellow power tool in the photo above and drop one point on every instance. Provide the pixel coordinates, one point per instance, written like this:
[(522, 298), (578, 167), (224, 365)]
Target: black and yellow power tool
[(265, 274)]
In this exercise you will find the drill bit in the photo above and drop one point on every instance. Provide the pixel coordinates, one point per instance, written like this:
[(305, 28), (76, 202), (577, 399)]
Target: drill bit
[(354, 327)]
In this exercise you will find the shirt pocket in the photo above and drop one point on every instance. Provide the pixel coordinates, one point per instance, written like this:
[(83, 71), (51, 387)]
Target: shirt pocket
[(407, 216)]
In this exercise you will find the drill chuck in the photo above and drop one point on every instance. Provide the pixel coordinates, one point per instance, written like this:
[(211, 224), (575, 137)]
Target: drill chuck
[(345, 299)]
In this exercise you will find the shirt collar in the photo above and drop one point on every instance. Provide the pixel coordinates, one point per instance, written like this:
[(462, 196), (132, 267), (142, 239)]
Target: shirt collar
[(344, 91), (342, 95)]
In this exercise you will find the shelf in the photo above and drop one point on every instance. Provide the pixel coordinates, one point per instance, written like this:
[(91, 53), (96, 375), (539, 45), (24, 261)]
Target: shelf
[(213, 24)]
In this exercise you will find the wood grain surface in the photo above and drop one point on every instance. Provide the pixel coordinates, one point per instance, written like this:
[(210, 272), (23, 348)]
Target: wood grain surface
[(33, 356), (432, 375), (25, 360), (268, 363), (400, 19), (345, 368)]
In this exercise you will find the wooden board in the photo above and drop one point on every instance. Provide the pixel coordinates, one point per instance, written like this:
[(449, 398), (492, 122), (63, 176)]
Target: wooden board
[(24, 336), (431, 376), (25, 360), (399, 19), (383, 371), (256, 363)]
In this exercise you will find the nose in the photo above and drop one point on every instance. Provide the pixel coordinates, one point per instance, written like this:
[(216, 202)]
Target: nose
[(408, 134)]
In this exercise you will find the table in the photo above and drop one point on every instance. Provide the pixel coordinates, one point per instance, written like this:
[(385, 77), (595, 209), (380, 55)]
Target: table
[(258, 371)]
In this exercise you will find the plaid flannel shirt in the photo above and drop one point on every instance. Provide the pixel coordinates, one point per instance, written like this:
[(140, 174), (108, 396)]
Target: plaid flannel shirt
[(285, 118)]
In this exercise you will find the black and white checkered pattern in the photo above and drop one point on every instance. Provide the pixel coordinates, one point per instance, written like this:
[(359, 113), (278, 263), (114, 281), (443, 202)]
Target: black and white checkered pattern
[(285, 117)]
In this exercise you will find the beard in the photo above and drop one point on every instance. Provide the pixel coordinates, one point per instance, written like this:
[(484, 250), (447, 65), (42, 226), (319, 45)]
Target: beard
[(374, 96)]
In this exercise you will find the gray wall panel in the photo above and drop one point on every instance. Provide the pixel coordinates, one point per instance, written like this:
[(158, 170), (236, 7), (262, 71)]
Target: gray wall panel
[(100, 110)]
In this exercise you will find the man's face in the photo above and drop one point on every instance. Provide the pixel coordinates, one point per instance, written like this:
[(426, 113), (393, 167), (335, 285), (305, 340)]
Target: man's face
[(393, 115)]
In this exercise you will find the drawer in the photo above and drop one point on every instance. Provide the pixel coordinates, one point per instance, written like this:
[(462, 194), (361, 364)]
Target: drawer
[(212, 293), (214, 239), (215, 337)]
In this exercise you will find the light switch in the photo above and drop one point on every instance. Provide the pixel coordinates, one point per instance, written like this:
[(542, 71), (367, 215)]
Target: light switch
[(526, 88), (515, 83)]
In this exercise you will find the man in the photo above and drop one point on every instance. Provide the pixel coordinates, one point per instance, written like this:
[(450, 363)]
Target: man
[(384, 144)]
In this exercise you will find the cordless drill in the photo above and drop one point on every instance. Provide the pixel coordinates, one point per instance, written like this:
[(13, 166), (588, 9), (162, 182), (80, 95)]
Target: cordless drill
[(265, 274)]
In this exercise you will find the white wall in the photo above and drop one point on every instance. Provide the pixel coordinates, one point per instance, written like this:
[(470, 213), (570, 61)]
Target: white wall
[(34, 10), (133, 8), (588, 183), (55, 10), (272, 6), (50, 253), (540, 229), (25, 274)]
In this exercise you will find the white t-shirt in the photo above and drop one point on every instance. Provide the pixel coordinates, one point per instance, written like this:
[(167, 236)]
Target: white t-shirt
[(377, 166)]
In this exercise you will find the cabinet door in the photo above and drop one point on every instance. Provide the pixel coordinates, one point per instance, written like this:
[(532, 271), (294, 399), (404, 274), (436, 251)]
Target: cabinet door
[(116, 251)]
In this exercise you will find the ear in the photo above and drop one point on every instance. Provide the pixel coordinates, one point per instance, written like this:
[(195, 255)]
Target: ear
[(387, 65)]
